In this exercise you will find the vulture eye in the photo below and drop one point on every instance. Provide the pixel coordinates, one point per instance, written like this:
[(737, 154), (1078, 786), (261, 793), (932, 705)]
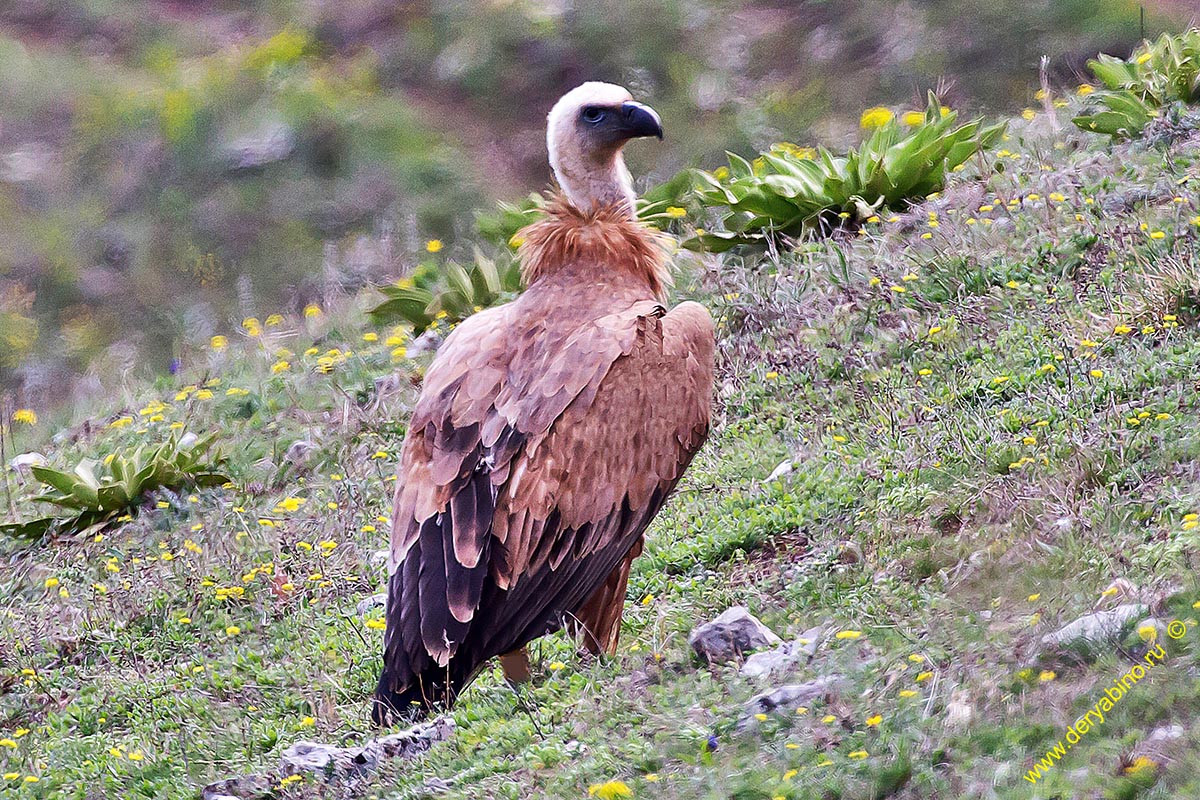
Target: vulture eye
[(593, 115)]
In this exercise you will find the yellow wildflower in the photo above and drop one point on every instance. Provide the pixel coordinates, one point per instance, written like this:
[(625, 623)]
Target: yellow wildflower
[(610, 790), (876, 117)]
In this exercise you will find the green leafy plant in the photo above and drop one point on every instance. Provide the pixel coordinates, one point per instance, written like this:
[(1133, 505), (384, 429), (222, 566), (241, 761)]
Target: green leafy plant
[(657, 206), (97, 493), (447, 292), (1158, 74), (791, 191), (501, 224)]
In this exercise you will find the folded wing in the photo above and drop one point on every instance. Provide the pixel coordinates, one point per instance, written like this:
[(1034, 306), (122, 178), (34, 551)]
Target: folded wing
[(538, 453)]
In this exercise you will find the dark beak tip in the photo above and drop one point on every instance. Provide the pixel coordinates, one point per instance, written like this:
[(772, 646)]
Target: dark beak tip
[(642, 120)]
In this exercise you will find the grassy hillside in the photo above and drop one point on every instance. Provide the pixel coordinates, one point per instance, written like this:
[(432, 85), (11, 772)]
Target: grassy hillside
[(167, 166), (989, 403)]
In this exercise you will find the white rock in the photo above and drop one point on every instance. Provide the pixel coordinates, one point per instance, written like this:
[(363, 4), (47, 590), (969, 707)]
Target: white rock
[(369, 604), (784, 468), (789, 697), (783, 658), (1093, 629), (24, 461)]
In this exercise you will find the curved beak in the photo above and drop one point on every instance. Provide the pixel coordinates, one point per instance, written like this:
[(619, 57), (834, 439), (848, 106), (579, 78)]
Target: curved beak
[(640, 120)]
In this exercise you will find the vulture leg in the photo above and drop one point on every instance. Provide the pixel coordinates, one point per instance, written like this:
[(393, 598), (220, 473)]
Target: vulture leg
[(515, 665), (598, 622)]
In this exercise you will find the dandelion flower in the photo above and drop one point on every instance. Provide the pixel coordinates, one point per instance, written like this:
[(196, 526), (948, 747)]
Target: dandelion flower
[(1141, 763), (610, 790), (848, 634), (1047, 675), (876, 117), (25, 415)]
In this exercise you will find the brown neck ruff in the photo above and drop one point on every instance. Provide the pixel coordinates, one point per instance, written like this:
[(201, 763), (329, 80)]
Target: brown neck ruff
[(607, 235)]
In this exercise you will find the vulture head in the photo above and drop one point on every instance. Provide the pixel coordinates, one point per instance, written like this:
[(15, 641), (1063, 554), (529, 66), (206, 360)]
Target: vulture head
[(585, 132)]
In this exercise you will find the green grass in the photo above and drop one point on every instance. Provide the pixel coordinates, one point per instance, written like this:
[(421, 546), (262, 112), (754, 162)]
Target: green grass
[(991, 439)]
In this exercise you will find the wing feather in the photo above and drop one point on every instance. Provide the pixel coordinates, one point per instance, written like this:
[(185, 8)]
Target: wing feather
[(535, 459)]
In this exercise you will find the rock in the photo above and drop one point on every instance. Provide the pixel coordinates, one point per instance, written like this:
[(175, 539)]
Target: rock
[(427, 342), (958, 710), (417, 739), (849, 553), (25, 165), (1160, 747), (783, 658), (790, 697), (247, 787), (274, 142), (101, 283), (369, 604), (768, 662), (332, 763), (21, 464), (784, 468), (730, 635), (187, 440), (327, 759), (299, 451), (379, 559), (1086, 636)]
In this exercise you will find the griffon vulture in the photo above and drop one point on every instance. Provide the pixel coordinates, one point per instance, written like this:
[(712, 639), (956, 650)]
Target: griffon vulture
[(549, 431)]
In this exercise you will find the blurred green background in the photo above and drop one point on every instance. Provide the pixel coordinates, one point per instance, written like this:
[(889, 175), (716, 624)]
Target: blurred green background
[(169, 168)]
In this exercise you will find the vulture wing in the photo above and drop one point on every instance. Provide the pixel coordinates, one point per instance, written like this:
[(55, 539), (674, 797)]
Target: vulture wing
[(545, 440)]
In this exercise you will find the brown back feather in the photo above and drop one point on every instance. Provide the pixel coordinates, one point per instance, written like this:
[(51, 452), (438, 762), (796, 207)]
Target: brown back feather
[(606, 235)]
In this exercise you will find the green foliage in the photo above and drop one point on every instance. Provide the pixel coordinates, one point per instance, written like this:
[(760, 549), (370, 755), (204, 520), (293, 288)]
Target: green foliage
[(451, 293), (791, 191), (1158, 74), (96, 493), (501, 224)]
